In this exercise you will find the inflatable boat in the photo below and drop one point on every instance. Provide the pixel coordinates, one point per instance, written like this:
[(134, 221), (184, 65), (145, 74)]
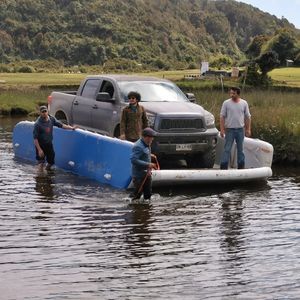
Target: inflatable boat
[(107, 159)]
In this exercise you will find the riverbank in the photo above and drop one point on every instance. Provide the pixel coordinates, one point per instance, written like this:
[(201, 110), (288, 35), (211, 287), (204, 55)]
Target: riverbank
[(275, 111)]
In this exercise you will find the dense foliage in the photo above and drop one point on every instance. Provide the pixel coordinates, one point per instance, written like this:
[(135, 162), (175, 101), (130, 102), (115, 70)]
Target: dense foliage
[(130, 34), (268, 52)]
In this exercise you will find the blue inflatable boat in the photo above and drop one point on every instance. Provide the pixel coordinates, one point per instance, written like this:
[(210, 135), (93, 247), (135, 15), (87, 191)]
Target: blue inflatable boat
[(107, 159)]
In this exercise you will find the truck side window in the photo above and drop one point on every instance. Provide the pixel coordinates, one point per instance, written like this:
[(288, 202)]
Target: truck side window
[(90, 88), (107, 87)]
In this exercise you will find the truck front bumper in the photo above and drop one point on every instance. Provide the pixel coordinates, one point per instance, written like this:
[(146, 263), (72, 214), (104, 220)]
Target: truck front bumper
[(184, 144)]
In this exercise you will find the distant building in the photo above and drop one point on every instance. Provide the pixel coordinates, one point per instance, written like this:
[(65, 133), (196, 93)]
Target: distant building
[(235, 72), (204, 67), (289, 62), (217, 73)]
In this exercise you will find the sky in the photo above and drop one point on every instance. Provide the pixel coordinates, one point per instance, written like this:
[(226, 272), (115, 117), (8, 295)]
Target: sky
[(289, 9)]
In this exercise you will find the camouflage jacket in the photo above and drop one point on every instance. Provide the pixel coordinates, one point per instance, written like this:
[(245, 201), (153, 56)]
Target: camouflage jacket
[(133, 122)]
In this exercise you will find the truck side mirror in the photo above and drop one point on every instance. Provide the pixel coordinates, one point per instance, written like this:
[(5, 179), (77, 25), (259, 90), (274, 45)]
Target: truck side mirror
[(191, 97), (103, 96)]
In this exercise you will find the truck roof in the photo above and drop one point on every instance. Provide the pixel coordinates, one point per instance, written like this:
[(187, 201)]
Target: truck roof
[(122, 77)]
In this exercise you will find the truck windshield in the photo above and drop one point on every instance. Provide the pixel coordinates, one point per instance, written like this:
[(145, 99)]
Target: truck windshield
[(152, 91)]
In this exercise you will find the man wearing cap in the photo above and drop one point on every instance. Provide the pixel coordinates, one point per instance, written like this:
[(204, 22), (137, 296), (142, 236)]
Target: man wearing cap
[(133, 119), (142, 165), (43, 136)]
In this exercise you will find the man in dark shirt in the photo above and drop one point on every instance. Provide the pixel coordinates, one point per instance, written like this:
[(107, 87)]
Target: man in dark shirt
[(142, 165), (43, 136)]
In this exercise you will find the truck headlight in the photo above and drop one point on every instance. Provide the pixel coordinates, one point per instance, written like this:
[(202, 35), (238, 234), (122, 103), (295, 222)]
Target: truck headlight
[(209, 119), (151, 119)]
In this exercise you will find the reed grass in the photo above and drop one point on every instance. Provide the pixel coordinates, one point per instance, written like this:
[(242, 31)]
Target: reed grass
[(22, 101), (275, 118)]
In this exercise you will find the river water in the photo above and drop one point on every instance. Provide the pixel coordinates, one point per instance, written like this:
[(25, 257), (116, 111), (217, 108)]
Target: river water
[(68, 237)]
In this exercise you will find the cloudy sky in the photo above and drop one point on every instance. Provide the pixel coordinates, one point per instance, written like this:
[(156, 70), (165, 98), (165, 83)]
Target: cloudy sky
[(289, 9)]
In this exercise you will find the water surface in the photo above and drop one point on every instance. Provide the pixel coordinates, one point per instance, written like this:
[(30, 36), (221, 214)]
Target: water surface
[(68, 237)]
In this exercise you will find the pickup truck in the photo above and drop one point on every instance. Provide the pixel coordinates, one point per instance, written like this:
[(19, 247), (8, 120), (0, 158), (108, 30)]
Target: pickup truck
[(185, 130)]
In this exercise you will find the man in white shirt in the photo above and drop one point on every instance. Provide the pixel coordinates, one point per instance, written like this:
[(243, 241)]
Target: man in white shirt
[(235, 123)]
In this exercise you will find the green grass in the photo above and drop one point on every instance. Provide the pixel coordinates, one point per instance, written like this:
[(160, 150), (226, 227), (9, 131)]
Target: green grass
[(22, 101), (287, 76), (275, 113), (37, 79)]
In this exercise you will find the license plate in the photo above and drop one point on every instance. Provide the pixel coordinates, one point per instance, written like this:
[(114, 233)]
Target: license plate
[(183, 147)]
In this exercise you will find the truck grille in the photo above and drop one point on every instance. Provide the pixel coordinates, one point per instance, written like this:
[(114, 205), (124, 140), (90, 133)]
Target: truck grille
[(169, 124)]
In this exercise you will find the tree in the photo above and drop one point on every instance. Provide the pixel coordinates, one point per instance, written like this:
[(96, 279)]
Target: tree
[(254, 48), (297, 60), (284, 44), (267, 62)]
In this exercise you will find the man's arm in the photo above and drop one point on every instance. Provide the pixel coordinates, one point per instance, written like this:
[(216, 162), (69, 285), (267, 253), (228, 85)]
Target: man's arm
[(123, 125), (135, 159), (144, 119), (222, 126), (36, 142), (39, 149), (223, 114), (59, 124), (247, 121), (64, 126), (248, 127)]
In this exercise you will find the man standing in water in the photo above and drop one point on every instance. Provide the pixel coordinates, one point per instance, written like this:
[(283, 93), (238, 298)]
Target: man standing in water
[(133, 119), (43, 136), (235, 123), (142, 165)]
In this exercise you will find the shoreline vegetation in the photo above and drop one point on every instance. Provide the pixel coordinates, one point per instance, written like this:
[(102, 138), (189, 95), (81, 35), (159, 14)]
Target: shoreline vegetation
[(275, 110)]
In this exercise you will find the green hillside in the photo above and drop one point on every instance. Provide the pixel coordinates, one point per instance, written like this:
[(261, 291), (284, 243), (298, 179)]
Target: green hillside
[(158, 34)]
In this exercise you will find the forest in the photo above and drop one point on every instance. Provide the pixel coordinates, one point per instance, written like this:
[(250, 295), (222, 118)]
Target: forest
[(136, 34)]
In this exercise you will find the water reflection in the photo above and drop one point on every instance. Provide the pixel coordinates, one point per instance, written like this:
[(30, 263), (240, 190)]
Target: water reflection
[(44, 183), (208, 189), (138, 237), (231, 225)]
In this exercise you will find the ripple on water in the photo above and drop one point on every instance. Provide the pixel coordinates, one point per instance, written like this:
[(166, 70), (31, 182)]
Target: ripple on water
[(67, 237)]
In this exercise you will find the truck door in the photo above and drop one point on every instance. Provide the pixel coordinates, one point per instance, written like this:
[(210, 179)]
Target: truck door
[(106, 114), (83, 104)]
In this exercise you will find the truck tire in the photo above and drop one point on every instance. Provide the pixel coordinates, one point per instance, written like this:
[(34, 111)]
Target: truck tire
[(60, 116), (117, 131), (202, 160)]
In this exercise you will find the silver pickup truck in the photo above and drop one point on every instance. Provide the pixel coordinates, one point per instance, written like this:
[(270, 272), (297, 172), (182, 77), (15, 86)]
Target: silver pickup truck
[(185, 130)]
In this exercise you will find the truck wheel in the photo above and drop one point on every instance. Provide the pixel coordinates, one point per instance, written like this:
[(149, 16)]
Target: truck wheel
[(202, 160), (117, 132), (60, 116)]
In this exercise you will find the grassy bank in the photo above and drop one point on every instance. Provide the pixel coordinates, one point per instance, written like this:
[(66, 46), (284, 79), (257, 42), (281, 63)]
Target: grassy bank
[(275, 118), (287, 76), (275, 113)]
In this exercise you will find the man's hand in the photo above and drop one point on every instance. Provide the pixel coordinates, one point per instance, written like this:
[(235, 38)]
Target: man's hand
[(122, 137), (247, 132), (41, 153), (153, 166), (222, 133)]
